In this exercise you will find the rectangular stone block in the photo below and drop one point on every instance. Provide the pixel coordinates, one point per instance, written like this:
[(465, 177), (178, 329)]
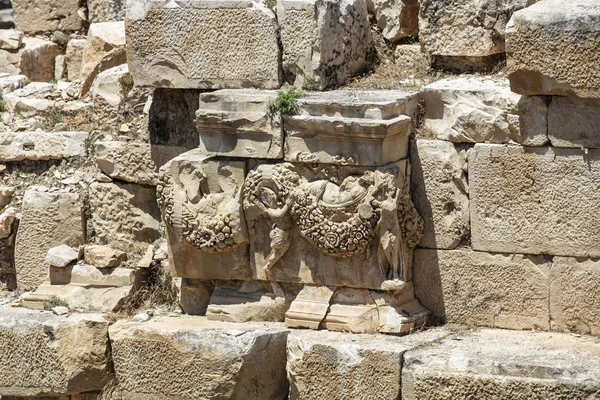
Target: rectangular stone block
[(575, 295), (574, 123), (473, 288), (131, 162), (349, 366), (502, 364), (203, 44), (535, 200), (190, 358), (47, 15), (19, 146), (478, 110), (439, 190), (239, 123), (201, 204), (50, 218), (569, 36)]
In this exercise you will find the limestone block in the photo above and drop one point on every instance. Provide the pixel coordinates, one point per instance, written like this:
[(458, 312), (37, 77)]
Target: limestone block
[(502, 364), (18, 146), (324, 42), (483, 289), (331, 224), (213, 359), (573, 123), (440, 192), (104, 49), (59, 67), (62, 355), (194, 296), (353, 366), (250, 301), (124, 216), (47, 15), (10, 61), (477, 110), (203, 44), (6, 193), (7, 218), (10, 39), (574, 295), (396, 19), (37, 59), (238, 123), (49, 219), (28, 108), (106, 10), (9, 84), (549, 31), (61, 256), (309, 308), (131, 162), (106, 277), (201, 205), (107, 85), (466, 34), (340, 127), (74, 58), (534, 200), (103, 256)]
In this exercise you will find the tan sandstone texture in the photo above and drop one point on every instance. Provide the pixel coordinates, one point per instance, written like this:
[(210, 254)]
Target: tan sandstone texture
[(440, 192), (131, 162), (37, 59), (44, 354), (473, 288), (567, 34), (535, 200), (74, 58), (19, 146), (573, 122), (106, 10), (338, 366), (49, 218), (324, 42), (500, 364), (465, 34), (47, 15), (191, 358), (477, 110), (203, 44), (396, 19)]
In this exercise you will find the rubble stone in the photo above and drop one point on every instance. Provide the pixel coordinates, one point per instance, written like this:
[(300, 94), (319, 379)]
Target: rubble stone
[(37, 59), (10, 39), (7, 218), (232, 45), (106, 10), (61, 256), (107, 86), (396, 19), (18, 146), (131, 162), (103, 256), (47, 15), (74, 58)]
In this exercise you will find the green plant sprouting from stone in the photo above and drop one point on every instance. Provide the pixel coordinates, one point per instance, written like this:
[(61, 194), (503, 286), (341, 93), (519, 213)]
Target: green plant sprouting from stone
[(286, 102), (54, 301)]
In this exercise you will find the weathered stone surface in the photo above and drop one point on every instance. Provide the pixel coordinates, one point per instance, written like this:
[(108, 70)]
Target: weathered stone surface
[(194, 295), (338, 366), (309, 308), (324, 42), (103, 256), (396, 19), (477, 110), (10, 61), (238, 123), (501, 364), (575, 295), (349, 128), (106, 10), (459, 34), (61, 256), (9, 84), (172, 119), (104, 49), (18, 146), (10, 39), (59, 67), (574, 123), (7, 218), (107, 85), (535, 200), (62, 355), (37, 59), (550, 31), (49, 219), (124, 216), (74, 58), (230, 45), (474, 288), (6, 193), (213, 359), (440, 192), (201, 204), (47, 15), (131, 162), (250, 301)]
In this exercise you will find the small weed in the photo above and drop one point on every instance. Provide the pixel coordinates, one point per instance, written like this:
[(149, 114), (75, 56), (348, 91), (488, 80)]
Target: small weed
[(55, 117), (286, 102), (61, 39), (54, 301), (126, 83), (271, 4), (3, 106)]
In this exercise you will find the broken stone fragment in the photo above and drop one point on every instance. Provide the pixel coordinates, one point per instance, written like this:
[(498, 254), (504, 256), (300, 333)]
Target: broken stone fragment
[(6, 193), (19, 146), (131, 162), (106, 10), (33, 16), (60, 310), (10, 39), (37, 59), (61, 256), (7, 219), (107, 86), (74, 57), (103, 256), (396, 19)]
